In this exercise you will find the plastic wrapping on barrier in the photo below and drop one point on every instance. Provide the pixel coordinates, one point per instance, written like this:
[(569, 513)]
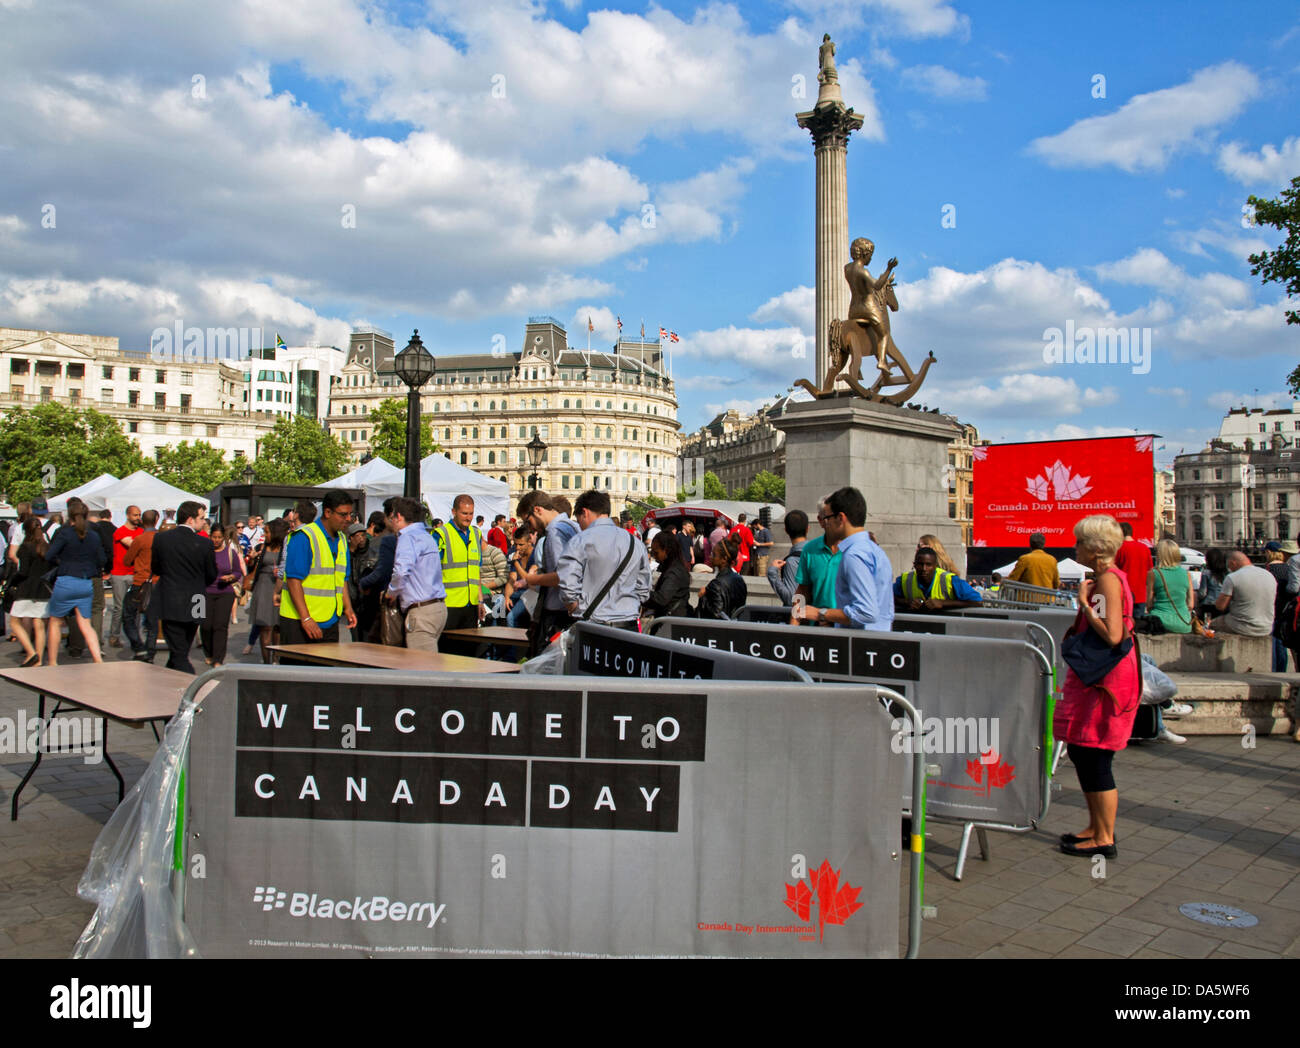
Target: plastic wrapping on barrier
[(552, 660), (130, 873)]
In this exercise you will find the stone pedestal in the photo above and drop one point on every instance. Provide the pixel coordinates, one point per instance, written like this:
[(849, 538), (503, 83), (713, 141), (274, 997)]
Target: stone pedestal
[(896, 457)]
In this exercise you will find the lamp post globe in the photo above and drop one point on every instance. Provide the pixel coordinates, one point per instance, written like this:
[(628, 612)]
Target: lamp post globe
[(415, 366), (536, 449)]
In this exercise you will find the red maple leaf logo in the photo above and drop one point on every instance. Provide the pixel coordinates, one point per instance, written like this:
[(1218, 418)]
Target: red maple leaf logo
[(999, 774), (836, 903)]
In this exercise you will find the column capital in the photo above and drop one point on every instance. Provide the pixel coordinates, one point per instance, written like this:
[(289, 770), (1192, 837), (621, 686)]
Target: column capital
[(830, 125)]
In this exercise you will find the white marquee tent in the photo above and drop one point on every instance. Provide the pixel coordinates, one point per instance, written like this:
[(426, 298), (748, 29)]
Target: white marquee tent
[(1069, 569), (441, 480), (59, 503), (378, 478), (139, 489)]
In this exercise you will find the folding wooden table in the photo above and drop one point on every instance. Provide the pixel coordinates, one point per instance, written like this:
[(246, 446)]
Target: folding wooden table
[(131, 693), (387, 657)]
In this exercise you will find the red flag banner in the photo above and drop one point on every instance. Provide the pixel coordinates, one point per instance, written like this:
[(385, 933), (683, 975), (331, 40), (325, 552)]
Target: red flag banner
[(1048, 486)]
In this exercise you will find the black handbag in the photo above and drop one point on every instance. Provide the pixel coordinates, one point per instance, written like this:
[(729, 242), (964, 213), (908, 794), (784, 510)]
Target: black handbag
[(1090, 657)]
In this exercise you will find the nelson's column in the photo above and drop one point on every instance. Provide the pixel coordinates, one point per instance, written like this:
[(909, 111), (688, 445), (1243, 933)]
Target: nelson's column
[(857, 432), (831, 123)]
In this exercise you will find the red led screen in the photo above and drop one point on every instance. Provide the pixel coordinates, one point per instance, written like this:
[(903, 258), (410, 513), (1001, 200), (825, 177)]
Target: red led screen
[(1048, 486)]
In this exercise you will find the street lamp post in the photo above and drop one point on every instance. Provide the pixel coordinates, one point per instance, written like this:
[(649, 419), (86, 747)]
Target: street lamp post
[(536, 449), (414, 366)]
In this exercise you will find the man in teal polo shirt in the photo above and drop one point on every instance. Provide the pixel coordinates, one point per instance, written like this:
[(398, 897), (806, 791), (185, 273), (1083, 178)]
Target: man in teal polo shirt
[(818, 565)]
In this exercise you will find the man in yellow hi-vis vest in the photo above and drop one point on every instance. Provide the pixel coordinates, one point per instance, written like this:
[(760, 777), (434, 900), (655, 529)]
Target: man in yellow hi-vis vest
[(461, 547), (927, 588), (316, 577)]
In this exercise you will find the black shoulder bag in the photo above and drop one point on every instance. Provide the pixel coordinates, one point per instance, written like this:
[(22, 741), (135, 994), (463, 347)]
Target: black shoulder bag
[(631, 547)]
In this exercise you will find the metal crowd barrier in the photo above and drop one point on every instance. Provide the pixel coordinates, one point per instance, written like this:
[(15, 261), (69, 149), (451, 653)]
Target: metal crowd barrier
[(1023, 595), (1008, 679), (301, 811)]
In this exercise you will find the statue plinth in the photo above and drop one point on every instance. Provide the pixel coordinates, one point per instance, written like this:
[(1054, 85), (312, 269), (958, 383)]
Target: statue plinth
[(897, 457)]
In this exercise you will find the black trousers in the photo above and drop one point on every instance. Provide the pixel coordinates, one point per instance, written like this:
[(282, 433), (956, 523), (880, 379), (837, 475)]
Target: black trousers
[(291, 632), (180, 638), (462, 618)]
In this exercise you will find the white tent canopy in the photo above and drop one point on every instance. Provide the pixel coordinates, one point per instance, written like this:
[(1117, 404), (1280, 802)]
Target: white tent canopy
[(378, 478), (59, 503), (139, 489), (441, 480), (1069, 569)]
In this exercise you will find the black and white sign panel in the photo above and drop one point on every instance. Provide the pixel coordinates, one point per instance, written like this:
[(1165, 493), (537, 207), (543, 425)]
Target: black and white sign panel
[(356, 812)]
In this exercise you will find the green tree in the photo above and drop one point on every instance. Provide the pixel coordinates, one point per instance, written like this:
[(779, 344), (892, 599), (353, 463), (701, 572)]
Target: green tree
[(197, 467), (59, 447), (641, 507), (388, 432), (299, 451), (1283, 265), (766, 487), (713, 491)]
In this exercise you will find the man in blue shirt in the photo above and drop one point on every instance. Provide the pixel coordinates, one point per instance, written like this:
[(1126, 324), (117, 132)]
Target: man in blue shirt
[(863, 590), (315, 575), (927, 588), (416, 584)]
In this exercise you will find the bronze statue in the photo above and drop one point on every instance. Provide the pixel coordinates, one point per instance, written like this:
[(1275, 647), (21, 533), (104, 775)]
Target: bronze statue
[(826, 61), (866, 332)]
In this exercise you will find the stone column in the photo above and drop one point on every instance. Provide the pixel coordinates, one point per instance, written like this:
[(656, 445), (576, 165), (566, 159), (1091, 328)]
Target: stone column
[(830, 123)]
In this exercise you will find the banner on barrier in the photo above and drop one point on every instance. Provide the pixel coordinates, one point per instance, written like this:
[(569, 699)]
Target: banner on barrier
[(372, 814), (970, 691)]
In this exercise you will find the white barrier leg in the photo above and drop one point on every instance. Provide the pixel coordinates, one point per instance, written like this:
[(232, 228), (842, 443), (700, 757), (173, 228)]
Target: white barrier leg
[(961, 850)]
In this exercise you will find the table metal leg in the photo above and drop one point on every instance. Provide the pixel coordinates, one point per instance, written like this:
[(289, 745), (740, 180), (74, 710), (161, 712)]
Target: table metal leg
[(40, 713), (121, 783)]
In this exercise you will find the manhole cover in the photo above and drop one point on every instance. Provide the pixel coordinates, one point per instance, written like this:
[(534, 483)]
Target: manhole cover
[(1214, 913)]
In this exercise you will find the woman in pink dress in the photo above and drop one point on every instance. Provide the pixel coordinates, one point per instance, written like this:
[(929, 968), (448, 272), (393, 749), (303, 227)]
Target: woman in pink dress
[(1096, 721)]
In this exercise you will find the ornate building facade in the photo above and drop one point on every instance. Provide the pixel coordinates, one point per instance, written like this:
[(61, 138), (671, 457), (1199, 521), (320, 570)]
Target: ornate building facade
[(609, 420)]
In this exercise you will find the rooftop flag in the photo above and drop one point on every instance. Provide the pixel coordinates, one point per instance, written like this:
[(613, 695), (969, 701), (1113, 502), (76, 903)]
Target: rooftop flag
[(279, 342), (663, 333), (672, 337)]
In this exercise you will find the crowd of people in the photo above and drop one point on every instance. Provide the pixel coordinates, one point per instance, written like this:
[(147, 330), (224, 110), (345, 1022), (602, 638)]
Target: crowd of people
[(405, 578)]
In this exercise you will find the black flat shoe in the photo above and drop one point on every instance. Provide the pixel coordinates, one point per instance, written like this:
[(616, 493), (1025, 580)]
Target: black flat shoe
[(32, 660), (1070, 838), (1108, 851)]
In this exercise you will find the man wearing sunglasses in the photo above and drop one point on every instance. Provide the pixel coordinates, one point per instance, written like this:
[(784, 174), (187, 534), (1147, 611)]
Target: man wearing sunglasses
[(864, 590)]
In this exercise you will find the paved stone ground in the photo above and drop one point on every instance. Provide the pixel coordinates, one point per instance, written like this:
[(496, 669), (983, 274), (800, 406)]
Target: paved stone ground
[(1209, 821)]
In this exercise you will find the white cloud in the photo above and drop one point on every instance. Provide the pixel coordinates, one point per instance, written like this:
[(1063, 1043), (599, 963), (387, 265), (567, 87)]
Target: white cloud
[(1144, 133), (780, 353), (1022, 395), (945, 85), (1271, 166), (112, 306), (745, 407), (794, 308), (1069, 431), (477, 204), (1148, 267), (1224, 239), (1175, 194)]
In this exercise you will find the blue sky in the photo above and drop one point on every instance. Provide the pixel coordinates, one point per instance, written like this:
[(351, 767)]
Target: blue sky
[(501, 159)]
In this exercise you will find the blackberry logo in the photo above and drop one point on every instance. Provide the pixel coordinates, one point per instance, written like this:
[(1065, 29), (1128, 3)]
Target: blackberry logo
[(269, 898)]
